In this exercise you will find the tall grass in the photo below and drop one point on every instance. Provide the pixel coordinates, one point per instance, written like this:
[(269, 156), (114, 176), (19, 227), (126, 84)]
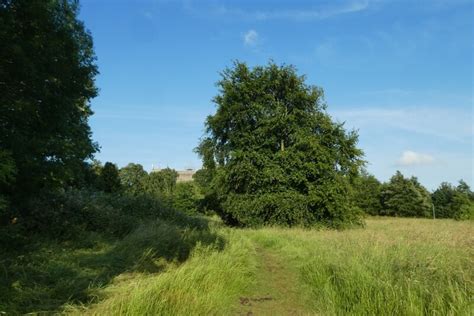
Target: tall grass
[(393, 267), (209, 283)]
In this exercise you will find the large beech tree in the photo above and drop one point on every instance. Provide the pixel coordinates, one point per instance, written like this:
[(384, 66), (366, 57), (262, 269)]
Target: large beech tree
[(47, 70), (275, 155)]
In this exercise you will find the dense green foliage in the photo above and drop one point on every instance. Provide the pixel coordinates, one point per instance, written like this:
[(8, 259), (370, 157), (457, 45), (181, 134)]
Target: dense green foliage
[(367, 190), (161, 183), (107, 236), (405, 197), (453, 202), (408, 198), (109, 180), (7, 175), (275, 155), (187, 197), (47, 70), (132, 178)]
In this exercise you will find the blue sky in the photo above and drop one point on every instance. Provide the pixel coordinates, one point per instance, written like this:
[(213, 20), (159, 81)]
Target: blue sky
[(401, 72)]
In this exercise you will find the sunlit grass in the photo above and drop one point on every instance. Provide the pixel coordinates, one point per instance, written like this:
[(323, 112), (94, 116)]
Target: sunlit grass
[(392, 266)]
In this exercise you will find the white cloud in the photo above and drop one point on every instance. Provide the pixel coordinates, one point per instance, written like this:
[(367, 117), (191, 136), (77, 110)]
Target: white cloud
[(410, 158), (251, 38)]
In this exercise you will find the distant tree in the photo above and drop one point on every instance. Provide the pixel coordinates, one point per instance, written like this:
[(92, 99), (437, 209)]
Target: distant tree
[(274, 155), (109, 180), (133, 178), (367, 191), (463, 207), (47, 70), (453, 202), (464, 188), (443, 198), (405, 197), (161, 183)]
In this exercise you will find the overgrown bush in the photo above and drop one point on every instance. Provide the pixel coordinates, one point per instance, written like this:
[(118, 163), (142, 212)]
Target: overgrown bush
[(68, 213)]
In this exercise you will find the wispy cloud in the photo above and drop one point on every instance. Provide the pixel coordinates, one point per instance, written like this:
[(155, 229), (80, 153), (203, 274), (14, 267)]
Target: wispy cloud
[(449, 124), (250, 38), (312, 13), (411, 158)]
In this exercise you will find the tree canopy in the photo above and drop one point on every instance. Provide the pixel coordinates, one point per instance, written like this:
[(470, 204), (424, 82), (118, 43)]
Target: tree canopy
[(109, 180), (47, 70), (276, 156), (405, 197), (367, 193), (453, 202), (133, 178)]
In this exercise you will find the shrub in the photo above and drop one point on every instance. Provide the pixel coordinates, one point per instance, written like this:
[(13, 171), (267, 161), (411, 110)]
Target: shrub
[(66, 214), (186, 197)]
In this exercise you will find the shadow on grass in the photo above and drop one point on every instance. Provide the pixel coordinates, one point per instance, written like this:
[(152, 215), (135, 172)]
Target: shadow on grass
[(52, 274)]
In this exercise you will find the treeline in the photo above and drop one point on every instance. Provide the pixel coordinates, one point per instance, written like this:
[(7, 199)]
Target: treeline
[(108, 200), (406, 197), (133, 180)]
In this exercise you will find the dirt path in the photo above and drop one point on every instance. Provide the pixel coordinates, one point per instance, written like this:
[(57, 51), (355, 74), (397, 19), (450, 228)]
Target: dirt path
[(276, 292)]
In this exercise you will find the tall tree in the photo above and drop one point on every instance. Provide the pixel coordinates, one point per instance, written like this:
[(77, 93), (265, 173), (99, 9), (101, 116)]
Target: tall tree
[(367, 193), (277, 156), (109, 180), (443, 198), (133, 178), (453, 202), (47, 70), (405, 197)]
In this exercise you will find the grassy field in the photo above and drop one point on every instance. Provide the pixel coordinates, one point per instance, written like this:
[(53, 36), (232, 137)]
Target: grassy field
[(392, 266)]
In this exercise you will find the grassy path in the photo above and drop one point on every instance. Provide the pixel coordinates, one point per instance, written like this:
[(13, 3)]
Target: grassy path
[(276, 291), (393, 266)]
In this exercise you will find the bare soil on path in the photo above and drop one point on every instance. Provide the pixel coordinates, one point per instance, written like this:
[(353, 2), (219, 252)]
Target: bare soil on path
[(276, 291)]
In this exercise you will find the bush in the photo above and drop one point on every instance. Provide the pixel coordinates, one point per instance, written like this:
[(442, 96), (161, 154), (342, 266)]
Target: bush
[(68, 213), (186, 197)]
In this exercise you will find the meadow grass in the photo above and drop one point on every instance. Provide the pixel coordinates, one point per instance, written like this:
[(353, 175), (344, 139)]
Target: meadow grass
[(392, 266)]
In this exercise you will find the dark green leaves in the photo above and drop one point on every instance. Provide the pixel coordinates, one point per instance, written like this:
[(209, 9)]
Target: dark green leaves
[(47, 70), (275, 155)]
